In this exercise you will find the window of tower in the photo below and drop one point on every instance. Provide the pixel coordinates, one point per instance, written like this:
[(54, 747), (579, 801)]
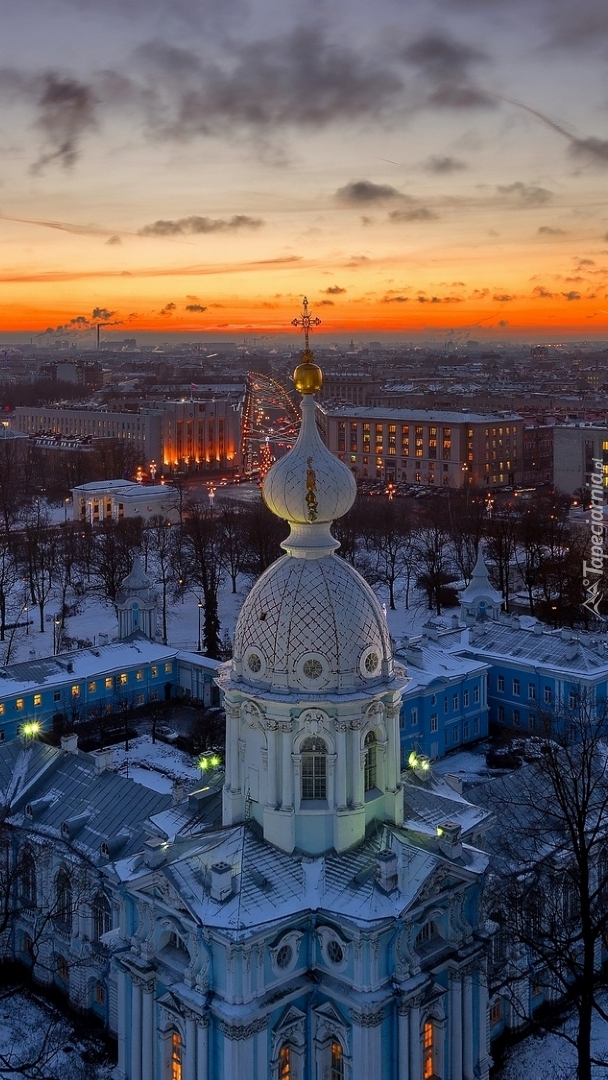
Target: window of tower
[(337, 1061), (285, 1070), (370, 761), (427, 1051), (314, 769), (176, 1056)]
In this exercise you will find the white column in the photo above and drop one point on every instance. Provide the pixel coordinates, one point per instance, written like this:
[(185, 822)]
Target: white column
[(262, 1054), (202, 1048), (271, 737), (121, 987), (456, 1025), (287, 768), (483, 1057), (147, 1034), (467, 1026), (340, 728), (190, 1063), (404, 1041), (357, 779), (415, 1047), (135, 1031), (393, 761), (233, 735)]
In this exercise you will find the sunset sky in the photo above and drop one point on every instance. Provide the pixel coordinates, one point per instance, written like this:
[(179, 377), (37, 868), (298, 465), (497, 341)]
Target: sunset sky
[(416, 168)]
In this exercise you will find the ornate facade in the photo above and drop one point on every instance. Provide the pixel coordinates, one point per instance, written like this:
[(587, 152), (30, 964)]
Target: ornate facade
[(328, 931)]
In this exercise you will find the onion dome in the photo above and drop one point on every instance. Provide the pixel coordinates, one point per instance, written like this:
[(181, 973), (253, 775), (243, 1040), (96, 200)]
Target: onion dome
[(311, 624)]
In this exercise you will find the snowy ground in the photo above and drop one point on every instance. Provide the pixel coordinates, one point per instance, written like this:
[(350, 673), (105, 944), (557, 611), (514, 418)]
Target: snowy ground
[(156, 765), (30, 1027), (549, 1057)]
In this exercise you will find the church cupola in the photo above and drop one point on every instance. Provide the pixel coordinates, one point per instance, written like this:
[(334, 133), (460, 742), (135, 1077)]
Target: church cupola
[(136, 606), (479, 601), (312, 701)]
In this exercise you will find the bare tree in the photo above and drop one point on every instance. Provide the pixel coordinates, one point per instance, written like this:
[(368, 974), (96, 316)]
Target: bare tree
[(548, 890), (202, 540), (163, 542), (40, 555)]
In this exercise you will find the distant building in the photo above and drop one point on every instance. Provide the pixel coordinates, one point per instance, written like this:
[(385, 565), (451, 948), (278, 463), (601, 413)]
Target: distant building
[(175, 436), (113, 500), (538, 454), (426, 447), (574, 448)]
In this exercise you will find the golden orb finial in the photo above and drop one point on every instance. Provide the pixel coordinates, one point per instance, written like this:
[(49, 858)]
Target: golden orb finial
[(308, 377)]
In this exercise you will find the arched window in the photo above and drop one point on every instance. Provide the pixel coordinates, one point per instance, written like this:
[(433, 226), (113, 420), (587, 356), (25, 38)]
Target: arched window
[(314, 770), (337, 1061), (370, 761), (102, 916), (427, 934), (176, 1056), (428, 1047), (285, 1072), (28, 879), (63, 901)]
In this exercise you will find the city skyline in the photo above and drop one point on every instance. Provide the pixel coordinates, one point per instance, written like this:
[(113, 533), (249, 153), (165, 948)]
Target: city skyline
[(418, 173)]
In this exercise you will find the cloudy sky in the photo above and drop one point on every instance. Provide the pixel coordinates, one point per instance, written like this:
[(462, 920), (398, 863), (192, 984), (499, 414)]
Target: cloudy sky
[(417, 167)]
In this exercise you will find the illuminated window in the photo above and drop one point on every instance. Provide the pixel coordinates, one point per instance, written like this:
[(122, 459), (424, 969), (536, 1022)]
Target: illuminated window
[(2, 708), (19, 704), (139, 675), (169, 668), (124, 678), (427, 1051), (109, 683), (153, 671), (314, 769), (370, 762), (285, 1071), (37, 699), (92, 687), (495, 1012), (337, 1061), (418, 443), (392, 438), (176, 1056), (75, 690), (405, 441)]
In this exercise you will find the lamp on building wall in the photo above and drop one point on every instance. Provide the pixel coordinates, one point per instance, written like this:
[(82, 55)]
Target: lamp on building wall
[(200, 608)]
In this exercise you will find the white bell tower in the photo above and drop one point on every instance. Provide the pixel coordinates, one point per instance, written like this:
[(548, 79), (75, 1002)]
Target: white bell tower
[(312, 700)]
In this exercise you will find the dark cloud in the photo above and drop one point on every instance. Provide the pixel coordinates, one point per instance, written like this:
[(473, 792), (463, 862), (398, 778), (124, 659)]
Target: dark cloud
[(66, 110), (394, 299), (593, 151), (503, 322), (195, 307), (586, 262), (542, 293), (519, 194), (439, 299), (571, 295), (444, 165), (444, 65), (102, 313), (113, 240), (192, 226), (364, 192), (168, 309), (417, 213), (324, 303), (298, 78), (334, 290), (502, 298), (546, 230)]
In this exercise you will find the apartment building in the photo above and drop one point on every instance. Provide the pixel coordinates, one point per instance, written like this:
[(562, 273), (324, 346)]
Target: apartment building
[(426, 447)]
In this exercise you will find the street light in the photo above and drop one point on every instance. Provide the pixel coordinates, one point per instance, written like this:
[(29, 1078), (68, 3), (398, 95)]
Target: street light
[(200, 607), (65, 510), (56, 633)]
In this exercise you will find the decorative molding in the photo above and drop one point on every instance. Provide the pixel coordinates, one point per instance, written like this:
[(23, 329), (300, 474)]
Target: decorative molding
[(367, 1017)]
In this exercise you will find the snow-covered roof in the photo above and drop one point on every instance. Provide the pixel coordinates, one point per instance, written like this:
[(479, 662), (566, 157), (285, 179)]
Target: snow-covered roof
[(579, 654), (83, 664)]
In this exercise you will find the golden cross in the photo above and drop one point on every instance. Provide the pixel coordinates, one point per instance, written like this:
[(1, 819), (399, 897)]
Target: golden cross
[(306, 322)]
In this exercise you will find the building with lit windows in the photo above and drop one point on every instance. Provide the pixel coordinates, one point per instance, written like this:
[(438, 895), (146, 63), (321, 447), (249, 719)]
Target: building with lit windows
[(330, 927), (422, 447), (172, 436)]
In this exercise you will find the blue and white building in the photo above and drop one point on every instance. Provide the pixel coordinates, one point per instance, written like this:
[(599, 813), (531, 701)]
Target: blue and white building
[(330, 927)]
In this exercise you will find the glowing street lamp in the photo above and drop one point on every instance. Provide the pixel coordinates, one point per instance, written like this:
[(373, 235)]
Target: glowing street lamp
[(31, 729), (208, 762)]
